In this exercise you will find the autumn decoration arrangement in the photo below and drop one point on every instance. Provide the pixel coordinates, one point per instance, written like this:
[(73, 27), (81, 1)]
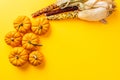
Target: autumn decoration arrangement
[(25, 40), (88, 10)]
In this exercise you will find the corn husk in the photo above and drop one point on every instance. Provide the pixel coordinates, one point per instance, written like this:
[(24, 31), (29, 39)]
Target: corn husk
[(93, 14), (97, 10), (68, 3), (66, 15)]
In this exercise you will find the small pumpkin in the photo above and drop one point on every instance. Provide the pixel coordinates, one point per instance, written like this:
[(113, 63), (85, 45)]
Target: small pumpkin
[(30, 41), (40, 25), (22, 24), (18, 56), (13, 38), (35, 58)]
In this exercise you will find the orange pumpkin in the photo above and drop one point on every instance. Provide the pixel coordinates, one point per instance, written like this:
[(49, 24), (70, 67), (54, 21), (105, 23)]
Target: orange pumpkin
[(35, 58), (40, 25), (13, 38), (30, 41), (22, 24), (18, 56)]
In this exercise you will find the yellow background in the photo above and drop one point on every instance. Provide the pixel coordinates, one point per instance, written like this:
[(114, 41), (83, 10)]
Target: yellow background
[(74, 49)]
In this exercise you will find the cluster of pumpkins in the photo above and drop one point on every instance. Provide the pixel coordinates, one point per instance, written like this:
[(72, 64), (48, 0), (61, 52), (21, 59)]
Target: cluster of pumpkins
[(25, 40)]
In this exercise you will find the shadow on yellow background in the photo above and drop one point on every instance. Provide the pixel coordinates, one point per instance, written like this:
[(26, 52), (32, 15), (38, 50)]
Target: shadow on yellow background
[(74, 50)]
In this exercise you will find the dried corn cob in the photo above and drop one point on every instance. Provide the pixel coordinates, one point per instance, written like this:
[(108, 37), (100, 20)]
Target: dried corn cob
[(66, 15), (59, 4), (57, 11), (44, 10)]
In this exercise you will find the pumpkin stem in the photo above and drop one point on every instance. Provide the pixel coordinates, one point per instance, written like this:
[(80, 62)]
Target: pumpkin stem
[(35, 57), (41, 27), (20, 25), (17, 57), (34, 44), (12, 39)]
